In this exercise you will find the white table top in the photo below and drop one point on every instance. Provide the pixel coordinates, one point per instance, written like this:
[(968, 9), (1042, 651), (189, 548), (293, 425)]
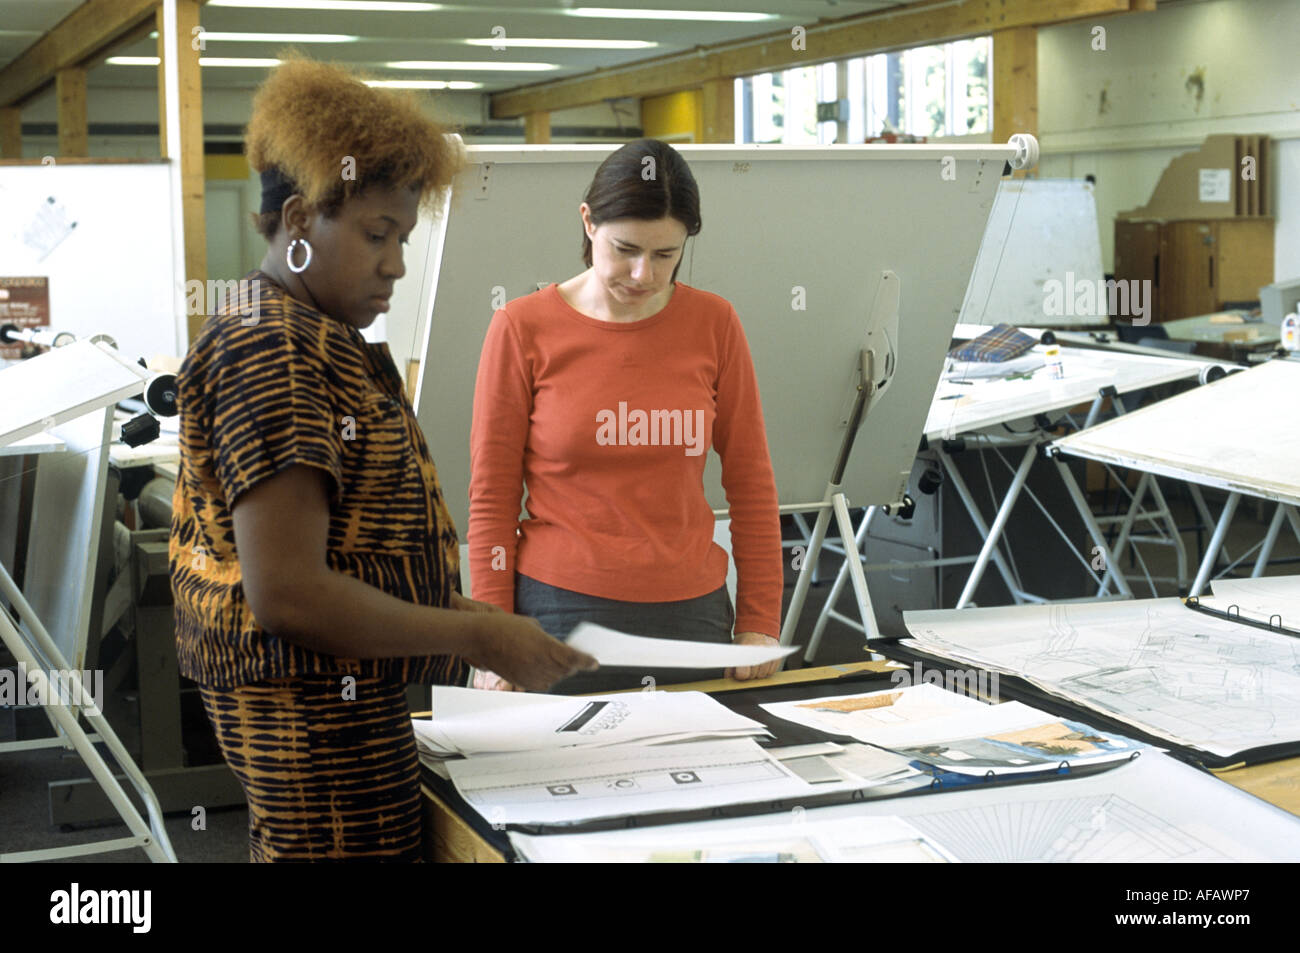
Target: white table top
[(965, 408), (1237, 434)]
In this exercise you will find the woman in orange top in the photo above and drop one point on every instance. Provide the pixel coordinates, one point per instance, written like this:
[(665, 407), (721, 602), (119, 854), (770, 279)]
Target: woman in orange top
[(603, 395)]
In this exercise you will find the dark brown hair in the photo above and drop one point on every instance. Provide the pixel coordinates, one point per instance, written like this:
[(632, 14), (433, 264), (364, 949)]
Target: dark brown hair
[(628, 186), (309, 117)]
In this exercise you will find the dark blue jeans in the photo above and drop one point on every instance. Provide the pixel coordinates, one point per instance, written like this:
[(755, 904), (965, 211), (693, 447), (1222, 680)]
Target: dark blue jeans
[(708, 618)]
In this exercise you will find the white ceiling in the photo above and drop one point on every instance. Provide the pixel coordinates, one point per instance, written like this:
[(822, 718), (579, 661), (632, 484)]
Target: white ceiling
[(440, 35)]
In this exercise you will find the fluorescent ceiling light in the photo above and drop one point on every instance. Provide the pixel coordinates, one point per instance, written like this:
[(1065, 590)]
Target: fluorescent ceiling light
[(369, 6), (277, 37), (480, 65), (272, 37), (235, 61), (423, 84), (537, 43), (238, 61), (616, 13)]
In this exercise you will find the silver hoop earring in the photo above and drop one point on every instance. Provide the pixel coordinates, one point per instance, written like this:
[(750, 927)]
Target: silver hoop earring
[(288, 256)]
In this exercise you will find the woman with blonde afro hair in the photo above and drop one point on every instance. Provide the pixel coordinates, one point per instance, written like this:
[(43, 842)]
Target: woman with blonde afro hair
[(314, 565)]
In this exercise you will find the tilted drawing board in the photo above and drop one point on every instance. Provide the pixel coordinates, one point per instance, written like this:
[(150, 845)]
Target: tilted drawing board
[(1234, 434), (1040, 230), (781, 226), (66, 393)]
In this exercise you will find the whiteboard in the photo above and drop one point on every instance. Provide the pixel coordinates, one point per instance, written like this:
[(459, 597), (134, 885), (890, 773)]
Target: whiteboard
[(1235, 434), (827, 219), (1039, 230), (112, 273)]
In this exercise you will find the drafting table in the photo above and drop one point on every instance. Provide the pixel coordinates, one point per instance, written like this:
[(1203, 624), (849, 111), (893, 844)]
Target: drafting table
[(150, 647), (1222, 435), (1011, 414), (453, 836), (68, 392), (1219, 328)]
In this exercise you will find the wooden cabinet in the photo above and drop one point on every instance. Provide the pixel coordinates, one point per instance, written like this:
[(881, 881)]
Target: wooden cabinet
[(1196, 266)]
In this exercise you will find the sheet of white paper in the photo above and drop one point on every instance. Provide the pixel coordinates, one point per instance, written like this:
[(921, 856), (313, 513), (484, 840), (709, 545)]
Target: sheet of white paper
[(1259, 599), (890, 717), (615, 648), (470, 722), (49, 225), (572, 785), (778, 839)]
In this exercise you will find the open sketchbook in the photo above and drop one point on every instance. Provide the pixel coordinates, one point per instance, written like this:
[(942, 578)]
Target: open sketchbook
[(1217, 678)]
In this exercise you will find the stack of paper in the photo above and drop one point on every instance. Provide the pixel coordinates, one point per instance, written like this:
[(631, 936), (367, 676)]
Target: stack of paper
[(573, 785), (956, 733), (469, 722)]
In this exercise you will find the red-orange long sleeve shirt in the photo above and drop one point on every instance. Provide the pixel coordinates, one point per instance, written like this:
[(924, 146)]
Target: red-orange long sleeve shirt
[(608, 424)]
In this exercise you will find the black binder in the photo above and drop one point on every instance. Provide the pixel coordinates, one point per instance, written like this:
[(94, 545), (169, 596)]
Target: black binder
[(1014, 687)]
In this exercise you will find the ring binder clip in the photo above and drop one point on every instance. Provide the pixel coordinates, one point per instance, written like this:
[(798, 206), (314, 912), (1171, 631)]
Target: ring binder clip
[(1063, 768), (1233, 614), (1135, 755)]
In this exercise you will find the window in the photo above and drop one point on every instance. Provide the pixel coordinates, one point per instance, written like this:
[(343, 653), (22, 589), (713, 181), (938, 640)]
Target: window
[(926, 91)]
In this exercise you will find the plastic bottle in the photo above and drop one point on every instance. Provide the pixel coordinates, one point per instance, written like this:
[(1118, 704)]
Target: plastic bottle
[(1055, 366), (1291, 331)]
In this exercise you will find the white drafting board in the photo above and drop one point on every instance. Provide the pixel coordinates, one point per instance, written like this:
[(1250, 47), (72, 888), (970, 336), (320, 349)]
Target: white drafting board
[(1039, 230), (1234, 434), (67, 515), (827, 219), (110, 273), (967, 407), (61, 401), (1153, 810), (62, 384)]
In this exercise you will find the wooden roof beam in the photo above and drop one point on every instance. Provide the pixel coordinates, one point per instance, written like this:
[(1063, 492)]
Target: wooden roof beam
[(80, 39), (918, 24)]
